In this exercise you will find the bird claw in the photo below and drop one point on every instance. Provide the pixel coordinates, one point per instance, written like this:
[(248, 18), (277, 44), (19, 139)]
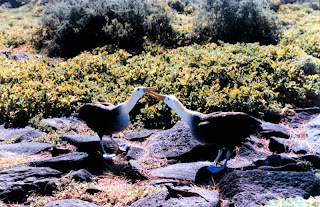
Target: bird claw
[(109, 156), (214, 169), (123, 147)]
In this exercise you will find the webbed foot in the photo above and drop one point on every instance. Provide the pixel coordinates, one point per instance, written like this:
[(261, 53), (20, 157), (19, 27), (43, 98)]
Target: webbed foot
[(123, 147), (109, 156)]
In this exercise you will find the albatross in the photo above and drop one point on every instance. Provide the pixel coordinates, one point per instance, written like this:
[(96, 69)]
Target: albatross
[(223, 129), (107, 119)]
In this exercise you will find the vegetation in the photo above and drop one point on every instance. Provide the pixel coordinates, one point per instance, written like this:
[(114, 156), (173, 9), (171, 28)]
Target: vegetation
[(295, 202)]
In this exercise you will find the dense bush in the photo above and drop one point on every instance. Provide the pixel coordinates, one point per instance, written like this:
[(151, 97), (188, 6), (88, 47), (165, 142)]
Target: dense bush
[(73, 26), (292, 202), (238, 21), (249, 78)]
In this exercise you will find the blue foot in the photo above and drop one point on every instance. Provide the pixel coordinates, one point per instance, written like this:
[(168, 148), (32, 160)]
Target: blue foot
[(109, 156), (123, 147), (214, 169)]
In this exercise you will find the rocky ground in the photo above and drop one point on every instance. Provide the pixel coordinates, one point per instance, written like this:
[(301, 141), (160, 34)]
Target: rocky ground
[(280, 162)]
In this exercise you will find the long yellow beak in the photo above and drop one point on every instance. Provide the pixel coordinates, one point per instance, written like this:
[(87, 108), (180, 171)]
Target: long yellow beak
[(157, 96), (149, 89)]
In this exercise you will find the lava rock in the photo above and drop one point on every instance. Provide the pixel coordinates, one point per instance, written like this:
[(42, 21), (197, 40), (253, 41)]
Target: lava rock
[(26, 148), (173, 142), (70, 203), (313, 133), (68, 162), (275, 161), (256, 187), (276, 130), (182, 171), (314, 159), (136, 153), (164, 199), (85, 143), (80, 175), (17, 183), (300, 147), (278, 145), (140, 135), (60, 123), (21, 134)]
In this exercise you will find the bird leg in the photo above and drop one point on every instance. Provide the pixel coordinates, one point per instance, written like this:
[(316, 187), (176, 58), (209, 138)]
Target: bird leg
[(107, 156), (122, 147), (218, 157), (214, 169)]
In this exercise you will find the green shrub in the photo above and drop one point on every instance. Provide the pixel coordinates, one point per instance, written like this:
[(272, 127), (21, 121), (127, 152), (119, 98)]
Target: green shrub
[(238, 21), (295, 202), (73, 26), (177, 5)]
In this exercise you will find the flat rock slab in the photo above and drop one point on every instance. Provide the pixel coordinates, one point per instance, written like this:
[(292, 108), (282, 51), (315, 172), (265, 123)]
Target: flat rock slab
[(70, 203), (276, 130), (60, 123), (86, 143), (136, 152), (22, 134), (163, 199), (25, 148), (68, 162), (256, 187), (140, 135), (182, 171), (173, 142), (313, 133), (17, 183)]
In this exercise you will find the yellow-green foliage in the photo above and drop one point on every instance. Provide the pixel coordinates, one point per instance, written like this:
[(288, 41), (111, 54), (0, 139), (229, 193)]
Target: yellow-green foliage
[(305, 31), (242, 77), (295, 202)]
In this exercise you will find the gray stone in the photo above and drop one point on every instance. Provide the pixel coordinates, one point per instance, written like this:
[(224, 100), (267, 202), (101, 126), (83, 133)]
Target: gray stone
[(17, 183), (300, 147), (182, 171), (313, 133), (80, 175), (248, 151), (70, 203), (173, 142), (86, 143), (68, 162), (163, 199), (26, 148), (140, 135), (21, 134), (136, 153), (276, 130), (298, 119), (60, 123), (278, 145), (135, 165), (255, 187), (275, 161), (313, 159)]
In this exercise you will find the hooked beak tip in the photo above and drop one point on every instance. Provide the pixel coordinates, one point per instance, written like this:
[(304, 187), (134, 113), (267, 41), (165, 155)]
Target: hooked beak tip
[(157, 96)]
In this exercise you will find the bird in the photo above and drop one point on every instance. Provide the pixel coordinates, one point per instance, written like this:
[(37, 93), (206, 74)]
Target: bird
[(214, 128), (108, 119)]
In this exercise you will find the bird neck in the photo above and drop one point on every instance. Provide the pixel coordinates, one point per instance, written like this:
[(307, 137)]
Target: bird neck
[(185, 114), (128, 105)]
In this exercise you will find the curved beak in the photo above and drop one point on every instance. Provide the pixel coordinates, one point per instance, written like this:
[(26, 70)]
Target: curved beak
[(149, 89), (157, 96)]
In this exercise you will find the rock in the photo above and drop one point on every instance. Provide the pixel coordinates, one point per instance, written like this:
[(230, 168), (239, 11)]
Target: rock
[(21, 134), (276, 130), (139, 135), (182, 171), (17, 183), (314, 159), (286, 167), (298, 119), (135, 165), (26, 148), (300, 147), (278, 145), (275, 161), (80, 175), (311, 110), (173, 142), (93, 191), (250, 152), (21, 56), (136, 153), (60, 123), (313, 133), (86, 143), (163, 199), (68, 162), (256, 187), (70, 203)]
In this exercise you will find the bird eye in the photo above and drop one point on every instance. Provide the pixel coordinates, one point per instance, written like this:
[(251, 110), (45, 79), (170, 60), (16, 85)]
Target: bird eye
[(138, 89)]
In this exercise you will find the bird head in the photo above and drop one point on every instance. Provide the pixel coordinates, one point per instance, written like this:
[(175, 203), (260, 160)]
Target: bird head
[(170, 100), (139, 91)]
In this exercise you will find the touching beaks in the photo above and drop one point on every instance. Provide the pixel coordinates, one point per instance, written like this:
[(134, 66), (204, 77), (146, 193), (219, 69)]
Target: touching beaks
[(149, 89), (157, 96)]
